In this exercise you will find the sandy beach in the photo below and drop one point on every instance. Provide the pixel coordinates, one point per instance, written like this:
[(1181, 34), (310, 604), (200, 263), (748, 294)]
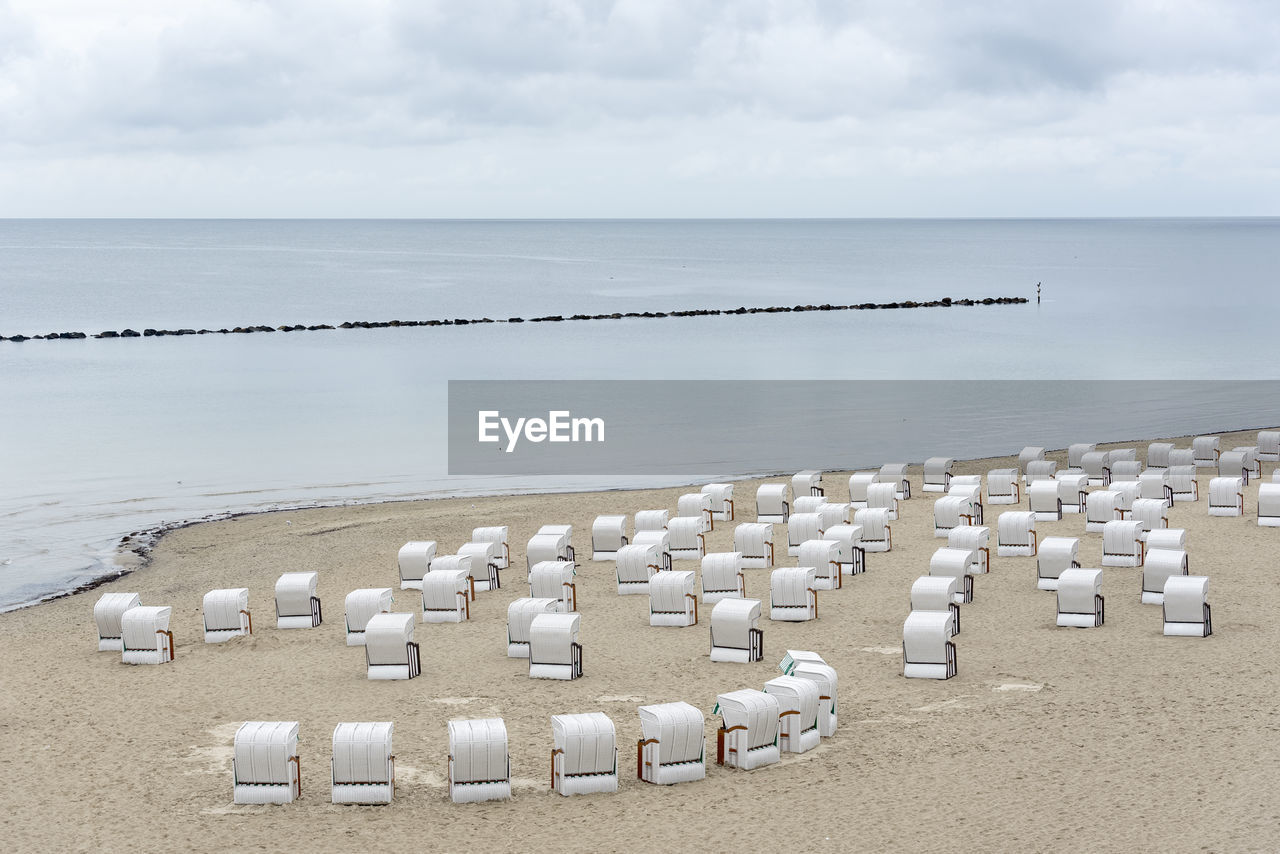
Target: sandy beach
[(1114, 739)]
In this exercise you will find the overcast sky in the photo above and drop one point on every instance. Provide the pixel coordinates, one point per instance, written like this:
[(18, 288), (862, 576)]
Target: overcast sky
[(648, 108)]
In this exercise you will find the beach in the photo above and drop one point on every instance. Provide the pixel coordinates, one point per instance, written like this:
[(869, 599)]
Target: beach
[(1109, 739)]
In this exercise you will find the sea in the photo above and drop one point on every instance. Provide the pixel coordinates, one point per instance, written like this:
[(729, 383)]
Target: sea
[(100, 438)]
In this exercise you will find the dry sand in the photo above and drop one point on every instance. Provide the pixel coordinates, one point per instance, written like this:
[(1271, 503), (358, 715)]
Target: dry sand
[(1109, 739)]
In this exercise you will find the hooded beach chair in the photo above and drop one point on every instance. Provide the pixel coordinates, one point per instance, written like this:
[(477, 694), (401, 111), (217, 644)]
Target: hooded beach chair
[(859, 483), (1122, 470), (896, 473), (938, 593), (754, 541), (1101, 507), (951, 512), (735, 631), (496, 534), (977, 539), (1252, 463), (1235, 464), (1080, 603), (824, 557), (1167, 538), (555, 579), (415, 562), (652, 520), (807, 504), (362, 769), (1186, 607), (297, 606), (1205, 451), (145, 637), (661, 540), (877, 536), (1097, 467), (608, 534), (721, 501), (1269, 505), (672, 601), (1182, 457), (1076, 452), (813, 668), (672, 747), (947, 562), (807, 482), (797, 712), (1045, 497), (1183, 483), (1072, 489), (696, 505), (1158, 455), (265, 768), (452, 564), (389, 650), (107, 612), (636, 564), (360, 605), (851, 555), (1057, 554), (550, 546), (1154, 483), (792, 595), (688, 542), (1151, 512), (1016, 534), (584, 754), (773, 502), (446, 596), (1029, 454), (483, 566), (927, 649), (748, 734), (1127, 492), (1003, 486), (520, 614), (226, 614), (937, 474), (722, 577), (801, 527), (1122, 543), (554, 650), (479, 767), (883, 496), (1040, 470), (839, 513), (969, 487), (1269, 445), (1159, 566)]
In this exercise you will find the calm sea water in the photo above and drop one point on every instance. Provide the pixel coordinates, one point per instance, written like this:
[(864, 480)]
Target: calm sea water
[(102, 437)]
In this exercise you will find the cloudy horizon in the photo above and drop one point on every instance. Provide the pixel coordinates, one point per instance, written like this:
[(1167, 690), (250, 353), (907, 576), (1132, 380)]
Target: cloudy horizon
[(638, 109)]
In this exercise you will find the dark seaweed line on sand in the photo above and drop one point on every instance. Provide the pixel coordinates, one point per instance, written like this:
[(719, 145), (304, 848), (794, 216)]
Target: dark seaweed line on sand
[(946, 302)]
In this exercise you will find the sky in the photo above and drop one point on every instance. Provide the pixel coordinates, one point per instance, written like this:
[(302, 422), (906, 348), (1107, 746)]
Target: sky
[(639, 108)]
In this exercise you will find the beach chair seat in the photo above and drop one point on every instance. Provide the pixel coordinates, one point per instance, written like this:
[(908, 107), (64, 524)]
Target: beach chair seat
[(859, 483), (773, 502), (1159, 565), (1073, 490), (362, 769), (792, 594), (735, 631), (496, 534), (1003, 486), (1029, 454), (721, 501), (688, 542), (1101, 507), (548, 546), (1269, 505), (1040, 470), (723, 577), (1154, 483), (608, 534), (1153, 513), (1080, 602), (107, 612), (1186, 607), (652, 520), (1205, 451), (748, 734), (797, 713), (672, 747), (297, 606), (927, 649), (754, 541), (1236, 464), (672, 601), (1057, 554), (1158, 455), (937, 474), (1269, 445), (824, 557), (877, 535), (446, 596), (483, 568), (1183, 483), (1016, 533), (1097, 467), (452, 564), (977, 539), (883, 496), (554, 650), (1122, 543), (520, 614), (801, 527), (636, 565), (661, 540), (697, 505), (896, 473), (145, 637), (850, 554), (555, 579), (938, 593), (414, 560), (584, 754), (479, 765), (947, 562), (360, 605), (265, 768), (1226, 496), (807, 482), (1045, 497), (226, 614), (951, 512), (389, 649)]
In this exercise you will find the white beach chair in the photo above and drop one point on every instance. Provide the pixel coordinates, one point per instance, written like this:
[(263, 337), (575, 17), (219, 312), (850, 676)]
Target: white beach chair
[(748, 734), (1128, 455), (721, 501), (937, 474), (1151, 512), (1122, 543), (722, 577), (107, 612), (552, 546), (636, 565), (672, 601), (555, 579), (483, 564), (520, 614), (608, 534), (1269, 445), (226, 614), (297, 606), (1252, 462), (1182, 457), (839, 513), (652, 520), (672, 747), (1127, 492), (584, 754), (1159, 566), (1097, 467), (938, 593), (807, 482), (1080, 603), (1269, 505), (977, 539), (797, 712), (807, 504), (1045, 497), (453, 564), (970, 488), (824, 557), (859, 483), (896, 473), (414, 560), (947, 562), (1167, 538), (801, 527), (1003, 486), (661, 540), (824, 676), (1057, 554), (1154, 483), (1125, 470), (883, 496), (754, 541), (1072, 489), (773, 502), (792, 595), (359, 606), (851, 555), (688, 542), (479, 767), (446, 596), (363, 769), (265, 768), (496, 534), (145, 637), (697, 505), (554, 650), (1040, 470), (1205, 451), (1076, 452), (1186, 607), (1235, 464), (1101, 507), (1029, 454), (1016, 534), (735, 631), (1158, 455), (877, 536), (927, 649), (389, 650)]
